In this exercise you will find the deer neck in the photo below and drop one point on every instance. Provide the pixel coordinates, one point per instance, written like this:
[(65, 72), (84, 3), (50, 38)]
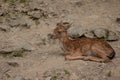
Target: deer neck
[(64, 37), (64, 40)]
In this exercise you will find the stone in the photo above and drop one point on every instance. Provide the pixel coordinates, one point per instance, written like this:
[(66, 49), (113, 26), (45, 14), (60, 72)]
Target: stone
[(79, 3), (27, 46), (4, 28), (17, 22), (100, 32), (114, 78), (13, 23), (48, 78), (1, 13), (4, 69), (34, 14), (74, 76), (15, 47), (37, 14), (112, 36), (118, 20), (89, 34), (115, 72), (13, 64), (19, 78)]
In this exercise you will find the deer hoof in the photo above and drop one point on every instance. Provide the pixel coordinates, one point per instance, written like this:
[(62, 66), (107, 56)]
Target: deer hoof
[(67, 57)]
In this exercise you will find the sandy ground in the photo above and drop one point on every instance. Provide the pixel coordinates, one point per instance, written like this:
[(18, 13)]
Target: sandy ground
[(45, 60)]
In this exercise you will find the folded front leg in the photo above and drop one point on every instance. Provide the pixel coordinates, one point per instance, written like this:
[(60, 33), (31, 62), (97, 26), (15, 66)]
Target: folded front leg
[(69, 57), (92, 58)]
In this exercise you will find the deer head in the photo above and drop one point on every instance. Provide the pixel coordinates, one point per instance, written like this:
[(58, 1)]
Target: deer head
[(60, 30)]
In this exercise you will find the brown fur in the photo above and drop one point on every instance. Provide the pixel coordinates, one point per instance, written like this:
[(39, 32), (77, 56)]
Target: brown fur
[(83, 48)]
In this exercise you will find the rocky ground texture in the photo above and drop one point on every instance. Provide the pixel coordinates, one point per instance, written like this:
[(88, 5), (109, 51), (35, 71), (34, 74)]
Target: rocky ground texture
[(27, 52)]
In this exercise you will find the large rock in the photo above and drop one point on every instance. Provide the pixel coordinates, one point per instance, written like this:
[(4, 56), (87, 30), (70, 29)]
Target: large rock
[(102, 33), (79, 31), (76, 31)]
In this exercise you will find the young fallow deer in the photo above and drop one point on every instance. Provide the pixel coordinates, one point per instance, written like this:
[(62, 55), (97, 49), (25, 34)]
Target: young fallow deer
[(82, 48)]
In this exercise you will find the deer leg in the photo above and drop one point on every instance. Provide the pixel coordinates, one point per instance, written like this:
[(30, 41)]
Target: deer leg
[(69, 57), (102, 56), (74, 55), (92, 58)]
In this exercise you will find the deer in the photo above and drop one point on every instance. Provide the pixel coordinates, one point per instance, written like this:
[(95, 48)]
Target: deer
[(88, 49)]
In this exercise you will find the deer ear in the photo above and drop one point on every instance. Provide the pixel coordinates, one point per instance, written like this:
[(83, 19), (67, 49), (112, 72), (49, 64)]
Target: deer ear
[(59, 24), (66, 25)]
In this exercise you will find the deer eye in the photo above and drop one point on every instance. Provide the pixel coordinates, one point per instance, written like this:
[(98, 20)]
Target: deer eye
[(59, 32)]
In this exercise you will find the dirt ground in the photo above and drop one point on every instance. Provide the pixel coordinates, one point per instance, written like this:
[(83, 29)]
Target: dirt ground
[(26, 24)]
